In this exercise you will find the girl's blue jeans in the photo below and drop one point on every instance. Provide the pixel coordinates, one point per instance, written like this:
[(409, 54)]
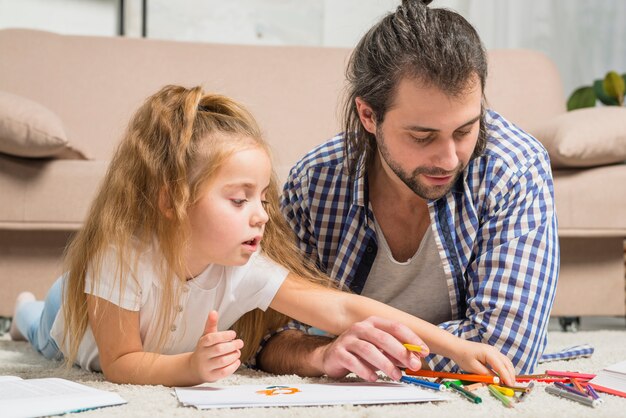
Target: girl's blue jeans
[(34, 320)]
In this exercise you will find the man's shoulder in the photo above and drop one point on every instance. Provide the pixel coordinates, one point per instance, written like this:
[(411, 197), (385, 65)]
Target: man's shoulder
[(510, 147), (327, 158)]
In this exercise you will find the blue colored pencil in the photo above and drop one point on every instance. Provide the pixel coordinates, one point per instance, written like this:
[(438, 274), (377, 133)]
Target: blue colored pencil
[(423, 383)]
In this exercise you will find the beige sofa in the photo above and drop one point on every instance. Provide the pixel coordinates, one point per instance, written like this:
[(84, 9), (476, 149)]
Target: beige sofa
[(93, 84)]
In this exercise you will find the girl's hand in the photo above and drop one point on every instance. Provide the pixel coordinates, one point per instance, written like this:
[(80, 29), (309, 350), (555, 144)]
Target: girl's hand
[(217, 354), (481, 358)]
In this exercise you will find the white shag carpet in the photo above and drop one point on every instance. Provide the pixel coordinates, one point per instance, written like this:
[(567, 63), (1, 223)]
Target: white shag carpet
[(18, 359)]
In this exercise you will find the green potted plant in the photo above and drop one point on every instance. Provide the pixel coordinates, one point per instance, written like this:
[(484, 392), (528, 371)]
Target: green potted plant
[(610, 91)]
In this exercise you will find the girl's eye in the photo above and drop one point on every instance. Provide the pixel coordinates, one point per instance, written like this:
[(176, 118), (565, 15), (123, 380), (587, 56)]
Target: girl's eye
[(238, 202)]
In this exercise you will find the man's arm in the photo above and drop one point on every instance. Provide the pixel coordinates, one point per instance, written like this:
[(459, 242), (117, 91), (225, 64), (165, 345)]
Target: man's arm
[(293, 352), (511, 283), (360, 350)]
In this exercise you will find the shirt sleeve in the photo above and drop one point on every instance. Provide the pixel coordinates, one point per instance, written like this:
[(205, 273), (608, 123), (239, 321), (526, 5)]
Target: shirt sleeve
[(260, 283), (294, 205), (511, 283)]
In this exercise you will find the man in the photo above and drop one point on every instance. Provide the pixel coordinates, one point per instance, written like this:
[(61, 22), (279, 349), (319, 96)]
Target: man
[(427, 201)]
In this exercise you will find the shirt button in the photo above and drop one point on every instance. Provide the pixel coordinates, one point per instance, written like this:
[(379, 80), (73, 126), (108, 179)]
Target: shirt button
[(369, 249), (173, 328)]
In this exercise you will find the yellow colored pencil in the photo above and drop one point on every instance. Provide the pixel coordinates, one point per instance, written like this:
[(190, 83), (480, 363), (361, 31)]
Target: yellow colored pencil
[(504, 391), (413, 347)]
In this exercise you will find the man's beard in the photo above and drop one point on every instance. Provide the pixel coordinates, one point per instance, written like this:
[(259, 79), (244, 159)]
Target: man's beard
[(412, 179)]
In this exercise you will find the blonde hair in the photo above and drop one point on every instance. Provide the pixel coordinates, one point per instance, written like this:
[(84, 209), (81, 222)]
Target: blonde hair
[(174, 145)]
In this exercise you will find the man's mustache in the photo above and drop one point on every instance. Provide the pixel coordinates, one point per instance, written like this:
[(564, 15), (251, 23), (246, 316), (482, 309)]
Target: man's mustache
[(435, 171)]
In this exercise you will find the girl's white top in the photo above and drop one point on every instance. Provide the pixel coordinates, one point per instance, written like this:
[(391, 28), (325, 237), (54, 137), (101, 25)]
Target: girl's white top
[(230, 290)]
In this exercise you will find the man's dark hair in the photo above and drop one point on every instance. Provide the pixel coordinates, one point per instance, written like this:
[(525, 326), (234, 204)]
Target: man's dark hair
[(437, 47)]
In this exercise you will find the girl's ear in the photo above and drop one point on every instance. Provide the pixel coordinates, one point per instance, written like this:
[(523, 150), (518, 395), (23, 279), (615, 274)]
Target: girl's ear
[(164, 203), (366, 115)]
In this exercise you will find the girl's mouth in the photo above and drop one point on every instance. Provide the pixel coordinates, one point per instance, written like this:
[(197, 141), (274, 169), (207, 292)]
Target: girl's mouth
[(253, 243)]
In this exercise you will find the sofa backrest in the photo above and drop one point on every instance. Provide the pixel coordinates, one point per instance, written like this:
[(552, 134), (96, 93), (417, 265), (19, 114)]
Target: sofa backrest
[(95, 83)]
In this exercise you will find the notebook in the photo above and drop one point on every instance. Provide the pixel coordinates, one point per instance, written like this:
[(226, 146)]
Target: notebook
[(50, 396), (611, 379)]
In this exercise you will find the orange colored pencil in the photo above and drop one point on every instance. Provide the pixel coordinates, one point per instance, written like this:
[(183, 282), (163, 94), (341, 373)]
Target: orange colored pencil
[(460, 376), (577, 384)]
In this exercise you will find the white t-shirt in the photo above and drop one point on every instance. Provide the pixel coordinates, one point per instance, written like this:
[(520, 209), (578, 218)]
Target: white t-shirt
[(231, 291)]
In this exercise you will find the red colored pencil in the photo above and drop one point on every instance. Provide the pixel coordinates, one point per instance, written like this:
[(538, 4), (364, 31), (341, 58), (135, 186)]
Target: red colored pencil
[(581, 376), (607, 390)]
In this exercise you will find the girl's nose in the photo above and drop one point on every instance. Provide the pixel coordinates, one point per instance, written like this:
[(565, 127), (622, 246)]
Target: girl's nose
[(260, 215)]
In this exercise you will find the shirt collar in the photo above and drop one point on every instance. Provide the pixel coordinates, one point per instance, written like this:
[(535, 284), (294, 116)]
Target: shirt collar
[(360, 189)]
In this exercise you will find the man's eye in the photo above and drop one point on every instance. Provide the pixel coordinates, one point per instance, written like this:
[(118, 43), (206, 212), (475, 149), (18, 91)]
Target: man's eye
[(238, 202), (421, 139), (463, 133)]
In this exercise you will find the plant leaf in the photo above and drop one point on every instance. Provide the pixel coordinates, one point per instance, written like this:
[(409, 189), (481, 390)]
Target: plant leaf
[(601, 94), (614, 86), (582, 97)]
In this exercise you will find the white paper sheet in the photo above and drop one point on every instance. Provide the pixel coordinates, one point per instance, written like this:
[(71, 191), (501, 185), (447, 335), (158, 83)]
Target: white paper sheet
[(52, 396), (612, 377), (245, 396)]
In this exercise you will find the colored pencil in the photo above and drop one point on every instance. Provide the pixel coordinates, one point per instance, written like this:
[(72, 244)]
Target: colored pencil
[(570, 389), (496, 392), (525, 394), (466, 393), (422, 383), (460, 376), (504, 390), (572, 396), (577, 385), (413, 347), (474, 386), (581, 376)]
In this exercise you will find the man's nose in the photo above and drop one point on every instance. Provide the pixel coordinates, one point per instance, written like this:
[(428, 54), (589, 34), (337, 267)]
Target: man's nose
[(445, 155)]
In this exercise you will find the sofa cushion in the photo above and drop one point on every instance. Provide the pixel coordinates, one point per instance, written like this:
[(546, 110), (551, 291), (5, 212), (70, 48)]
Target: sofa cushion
[(50, 194), (585, 137), (590, 202), (29, 129)]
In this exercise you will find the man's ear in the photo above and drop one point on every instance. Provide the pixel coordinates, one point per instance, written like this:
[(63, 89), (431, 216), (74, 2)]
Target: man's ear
[(366, 115), (164, 203)]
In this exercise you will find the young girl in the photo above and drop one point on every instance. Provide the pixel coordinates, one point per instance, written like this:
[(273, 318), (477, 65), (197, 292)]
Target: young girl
[(169, 259)]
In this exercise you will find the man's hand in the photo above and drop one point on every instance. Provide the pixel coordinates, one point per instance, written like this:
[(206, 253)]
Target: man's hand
[(368, 346)]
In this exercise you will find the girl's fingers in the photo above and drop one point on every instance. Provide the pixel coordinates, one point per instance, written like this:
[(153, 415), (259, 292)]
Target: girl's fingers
[(225, 360), (210, 326), (221, 373), (503, 366), (221, 349), (217, 337)]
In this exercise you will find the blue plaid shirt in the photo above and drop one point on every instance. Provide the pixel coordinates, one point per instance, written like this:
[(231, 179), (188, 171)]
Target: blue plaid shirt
[(496, 233)]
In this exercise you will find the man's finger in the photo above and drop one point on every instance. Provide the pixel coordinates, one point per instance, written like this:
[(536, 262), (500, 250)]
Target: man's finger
[(372, 355), (400, 332), (390, 344), (348, 361), (211, 323)]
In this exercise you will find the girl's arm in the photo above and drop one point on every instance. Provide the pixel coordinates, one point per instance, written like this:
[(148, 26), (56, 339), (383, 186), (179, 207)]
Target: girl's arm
[(335, 311), (123, 360)]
